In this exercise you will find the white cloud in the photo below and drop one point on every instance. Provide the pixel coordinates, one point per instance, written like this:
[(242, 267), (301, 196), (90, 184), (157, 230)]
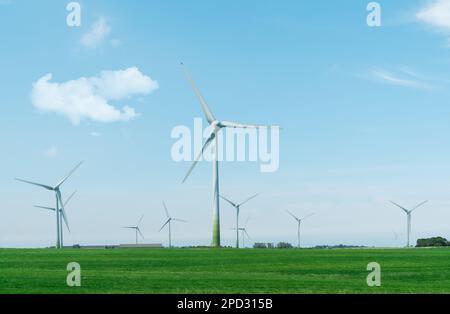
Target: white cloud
[(95, 134), (436, 14), (404, 78), (96, 34), (87, 98), (50, 152), (120, 84)]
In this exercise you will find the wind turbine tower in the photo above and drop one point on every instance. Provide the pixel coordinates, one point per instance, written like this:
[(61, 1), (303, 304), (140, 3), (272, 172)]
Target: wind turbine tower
[(299, 223), (136, 229), (216, 126), (238, 207), (408, 213), (244, 232), (60, 215), (169, 223), (60, 212)]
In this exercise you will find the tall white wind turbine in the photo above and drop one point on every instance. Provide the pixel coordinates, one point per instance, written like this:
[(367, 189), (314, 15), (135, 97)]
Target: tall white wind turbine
[(60, 212), (238, 207), (168, 223), (136, 229), (216, 126), (299, 222), (60, 215), (408, 219)]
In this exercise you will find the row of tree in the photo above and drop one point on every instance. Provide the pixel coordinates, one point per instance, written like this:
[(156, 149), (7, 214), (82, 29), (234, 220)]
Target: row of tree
[(429, 242), (280, 245), (433, 242)]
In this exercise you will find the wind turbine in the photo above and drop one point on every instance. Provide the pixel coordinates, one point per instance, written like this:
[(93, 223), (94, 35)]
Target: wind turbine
[(168, 222), (54, 209), (60, 212), (299, 222), (408, 218), (244, 232), (136, 229), (238, 206), (216, 126), (396, 235)]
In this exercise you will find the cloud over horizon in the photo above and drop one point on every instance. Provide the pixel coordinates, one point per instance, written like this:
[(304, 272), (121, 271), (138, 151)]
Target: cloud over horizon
[(88, 98)]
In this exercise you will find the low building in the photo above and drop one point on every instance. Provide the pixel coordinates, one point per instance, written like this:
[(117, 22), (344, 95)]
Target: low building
[(93, 247), (141, 246)]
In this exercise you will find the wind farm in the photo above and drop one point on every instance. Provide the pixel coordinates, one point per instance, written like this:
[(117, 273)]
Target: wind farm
[(308, 257)]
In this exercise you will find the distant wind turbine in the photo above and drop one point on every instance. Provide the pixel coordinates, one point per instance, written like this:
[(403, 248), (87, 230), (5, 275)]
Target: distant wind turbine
[(54, 209), (244, 232), (61, 212), (168, 223), (299, 222), (397, 235), (408, 219), (237, 207), (137, 229), (216, 127)]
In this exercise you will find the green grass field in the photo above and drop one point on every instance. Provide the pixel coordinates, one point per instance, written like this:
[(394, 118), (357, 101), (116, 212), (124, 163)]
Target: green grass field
[(225, 271)]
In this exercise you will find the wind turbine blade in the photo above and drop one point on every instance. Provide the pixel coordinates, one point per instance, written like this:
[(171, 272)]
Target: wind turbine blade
[(179, 220), (166, 210), (306, 217), (164, 225), (229, 124), (205, 108), (37, 184), (63, 211), (208, 141), (68, 200), (250, 198), (70, 173), (140, 220), (295, 217), (43, 207), (246, 233), (140, 233), (231, 203), (419, 205), (404, 209), (246, 222), (129, 227)]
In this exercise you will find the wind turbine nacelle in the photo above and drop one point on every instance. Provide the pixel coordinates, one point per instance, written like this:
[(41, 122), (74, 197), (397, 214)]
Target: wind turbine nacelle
[(216, 124)]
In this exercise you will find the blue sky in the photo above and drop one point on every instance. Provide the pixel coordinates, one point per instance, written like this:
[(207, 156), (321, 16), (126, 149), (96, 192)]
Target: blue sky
[(364, 112)]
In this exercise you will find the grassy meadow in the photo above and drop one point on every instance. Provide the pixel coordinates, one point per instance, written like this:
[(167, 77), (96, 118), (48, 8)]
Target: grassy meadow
[(225, 270)]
